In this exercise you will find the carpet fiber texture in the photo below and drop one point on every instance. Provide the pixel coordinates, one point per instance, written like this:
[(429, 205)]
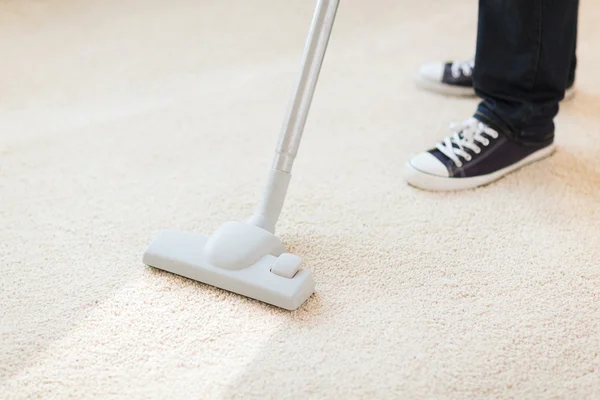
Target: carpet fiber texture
[(121, 118)]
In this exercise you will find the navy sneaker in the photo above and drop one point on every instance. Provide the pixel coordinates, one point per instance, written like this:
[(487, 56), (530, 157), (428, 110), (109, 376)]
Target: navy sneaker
[(456, 79), (474, 155)]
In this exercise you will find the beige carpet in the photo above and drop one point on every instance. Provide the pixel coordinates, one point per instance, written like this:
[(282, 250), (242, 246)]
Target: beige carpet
[(119, 118)]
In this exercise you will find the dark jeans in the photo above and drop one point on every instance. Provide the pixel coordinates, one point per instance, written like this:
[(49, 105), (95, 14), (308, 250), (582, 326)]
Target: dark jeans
[(525, 58)]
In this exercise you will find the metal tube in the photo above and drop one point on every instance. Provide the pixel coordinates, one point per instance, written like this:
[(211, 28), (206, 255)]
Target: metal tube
[(271, 204), (314, 53)]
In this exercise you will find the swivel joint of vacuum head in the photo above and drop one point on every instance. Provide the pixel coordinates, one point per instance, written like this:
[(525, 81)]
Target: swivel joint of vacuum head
[(270, 207)]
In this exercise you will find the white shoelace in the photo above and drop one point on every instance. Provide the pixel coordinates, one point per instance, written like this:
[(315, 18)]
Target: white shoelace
[(464, 67), (468, 135)]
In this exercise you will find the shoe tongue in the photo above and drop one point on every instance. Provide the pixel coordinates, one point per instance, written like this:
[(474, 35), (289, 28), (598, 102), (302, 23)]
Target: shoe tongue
[(461, 135), (471, 123)]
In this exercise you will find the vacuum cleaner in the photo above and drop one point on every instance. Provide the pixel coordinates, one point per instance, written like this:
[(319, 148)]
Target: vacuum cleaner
[(246, 257)]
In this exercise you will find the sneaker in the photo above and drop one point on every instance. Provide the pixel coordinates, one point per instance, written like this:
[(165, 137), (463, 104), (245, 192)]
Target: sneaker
[(473, 155), (456, 79)]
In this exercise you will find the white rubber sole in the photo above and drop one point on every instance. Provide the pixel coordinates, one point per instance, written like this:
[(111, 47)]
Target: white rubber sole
[(458, 91), (442, 88), (425, 181)]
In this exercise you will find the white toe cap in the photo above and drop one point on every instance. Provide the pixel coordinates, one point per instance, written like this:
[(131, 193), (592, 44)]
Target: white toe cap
[(427, 163), (432, 71)]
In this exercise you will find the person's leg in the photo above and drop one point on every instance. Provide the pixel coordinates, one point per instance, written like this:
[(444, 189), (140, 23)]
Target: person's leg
[(572, 72), (573, 67), (455, 78), (523, 62), (523, 57)]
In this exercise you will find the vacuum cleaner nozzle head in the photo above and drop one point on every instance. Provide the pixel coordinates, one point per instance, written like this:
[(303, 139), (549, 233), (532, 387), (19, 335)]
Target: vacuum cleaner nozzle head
[(238, 257)]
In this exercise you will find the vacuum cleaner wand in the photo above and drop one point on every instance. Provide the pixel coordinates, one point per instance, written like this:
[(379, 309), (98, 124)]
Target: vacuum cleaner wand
[(247, 258), (293, 126)]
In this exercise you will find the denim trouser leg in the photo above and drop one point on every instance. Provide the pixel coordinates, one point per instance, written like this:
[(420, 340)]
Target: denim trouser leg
[(573, 67), (525, 57)]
